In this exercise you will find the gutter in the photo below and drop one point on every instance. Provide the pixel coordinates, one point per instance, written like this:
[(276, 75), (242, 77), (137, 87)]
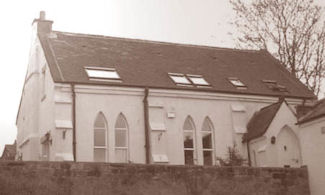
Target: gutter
[(146, 125), (74, 143)]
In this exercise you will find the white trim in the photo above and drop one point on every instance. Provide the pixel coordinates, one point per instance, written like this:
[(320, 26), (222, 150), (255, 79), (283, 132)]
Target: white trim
[(157, 126), (63, 124), (174, 93)]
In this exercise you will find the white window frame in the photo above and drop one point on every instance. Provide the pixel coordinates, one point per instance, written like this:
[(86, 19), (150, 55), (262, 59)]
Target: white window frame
[(185, 82), (105, 130), (209, 122), (193, 132), (92, 74), (237, 83), (193, 78), (126, 129)]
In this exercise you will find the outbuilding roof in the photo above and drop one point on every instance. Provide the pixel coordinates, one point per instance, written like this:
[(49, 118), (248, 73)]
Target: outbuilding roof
[(317, 111), (141, 63), (9, 152), (261, 121)]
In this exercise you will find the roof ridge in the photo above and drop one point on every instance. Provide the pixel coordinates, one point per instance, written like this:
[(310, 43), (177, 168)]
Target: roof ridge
[(157, 42)]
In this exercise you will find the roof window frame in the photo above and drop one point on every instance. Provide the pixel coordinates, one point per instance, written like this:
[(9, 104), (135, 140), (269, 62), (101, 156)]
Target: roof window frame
[(187, 84), (190, 76), (116, 78), (234, 82)]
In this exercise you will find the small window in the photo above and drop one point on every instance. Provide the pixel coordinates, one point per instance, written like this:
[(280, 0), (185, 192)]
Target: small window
[(179, 78), (102, 73), (237, 83), (198, 80)]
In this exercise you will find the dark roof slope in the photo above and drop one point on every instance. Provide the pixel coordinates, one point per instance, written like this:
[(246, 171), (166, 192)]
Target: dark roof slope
[(9, 152), (261, 121), (146, 64), (316, 112)]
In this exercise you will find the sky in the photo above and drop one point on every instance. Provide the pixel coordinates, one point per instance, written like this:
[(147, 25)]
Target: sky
[(200, 22)]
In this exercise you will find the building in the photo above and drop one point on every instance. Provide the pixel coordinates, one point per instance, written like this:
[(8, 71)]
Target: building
[(312, 141), (98, 98), (9, 152), (272, 137)]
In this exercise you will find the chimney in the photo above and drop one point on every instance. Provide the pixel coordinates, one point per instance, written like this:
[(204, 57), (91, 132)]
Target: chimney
[(41, 25)]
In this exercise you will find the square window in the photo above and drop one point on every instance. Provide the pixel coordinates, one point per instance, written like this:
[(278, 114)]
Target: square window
[(198, 80), (236, 82), (189, 157), (99, 137), (179, 79), (120, 138), (188, 140), (102, 73), (99, 154), (207, 140)]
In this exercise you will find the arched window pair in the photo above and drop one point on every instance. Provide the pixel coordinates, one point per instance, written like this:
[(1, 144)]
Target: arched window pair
[(190, 145), (101, 139)]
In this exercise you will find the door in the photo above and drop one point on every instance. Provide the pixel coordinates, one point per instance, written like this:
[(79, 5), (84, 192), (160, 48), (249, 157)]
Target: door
[(288, 148)]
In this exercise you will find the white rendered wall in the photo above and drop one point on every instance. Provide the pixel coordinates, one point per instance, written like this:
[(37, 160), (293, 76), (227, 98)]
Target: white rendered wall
[(313, 153)]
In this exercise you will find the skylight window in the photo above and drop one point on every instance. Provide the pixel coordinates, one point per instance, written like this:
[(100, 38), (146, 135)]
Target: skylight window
[(273, 85), (237, 83), (188, 80), (198, 80), (179, 79), (102, 73)]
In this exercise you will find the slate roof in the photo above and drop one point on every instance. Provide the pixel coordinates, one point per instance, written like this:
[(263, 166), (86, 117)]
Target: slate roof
[(316, 112), (143, 63), (261, 121)]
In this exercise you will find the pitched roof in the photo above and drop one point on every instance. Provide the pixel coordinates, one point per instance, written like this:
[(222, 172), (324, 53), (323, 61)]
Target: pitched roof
[(316, 112), (9, 152), (147, 64), (261, 121)]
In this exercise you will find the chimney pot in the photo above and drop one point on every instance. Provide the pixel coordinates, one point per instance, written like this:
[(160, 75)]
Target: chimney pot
[(42, 15)]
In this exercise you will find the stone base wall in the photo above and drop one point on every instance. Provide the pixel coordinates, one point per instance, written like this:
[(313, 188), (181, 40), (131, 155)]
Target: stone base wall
[(123, 179)]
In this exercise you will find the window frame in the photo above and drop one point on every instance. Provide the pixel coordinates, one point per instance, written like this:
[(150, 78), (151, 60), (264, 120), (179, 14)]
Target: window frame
[(211, 132), (126, 130), (88, 70), (193, 132), (105, 129), (192, 76), (236, 82), (183, 76), (190, 82)]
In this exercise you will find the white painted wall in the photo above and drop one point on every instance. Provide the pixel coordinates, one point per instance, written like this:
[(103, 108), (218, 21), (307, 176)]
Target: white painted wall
[(313, 152)]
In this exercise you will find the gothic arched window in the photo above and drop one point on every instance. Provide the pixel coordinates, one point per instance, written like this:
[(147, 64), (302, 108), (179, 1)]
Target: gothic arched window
[(100, 138)]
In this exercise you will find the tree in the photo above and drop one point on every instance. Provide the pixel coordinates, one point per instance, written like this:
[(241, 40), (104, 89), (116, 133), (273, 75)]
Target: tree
[(291, 30)]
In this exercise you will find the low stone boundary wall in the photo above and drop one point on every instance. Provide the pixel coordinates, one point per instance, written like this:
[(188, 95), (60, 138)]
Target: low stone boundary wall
[(123, 179)]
